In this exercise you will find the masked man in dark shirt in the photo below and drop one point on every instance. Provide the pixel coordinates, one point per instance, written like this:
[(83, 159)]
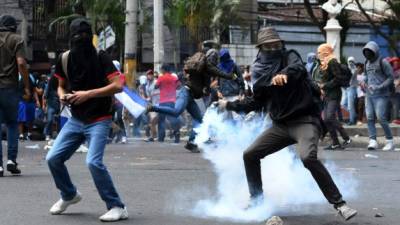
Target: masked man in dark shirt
[(281, 87), (12, 62), (87, 80)]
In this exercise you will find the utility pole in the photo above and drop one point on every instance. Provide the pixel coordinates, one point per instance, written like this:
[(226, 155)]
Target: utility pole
[(158, 34), (131, 42)]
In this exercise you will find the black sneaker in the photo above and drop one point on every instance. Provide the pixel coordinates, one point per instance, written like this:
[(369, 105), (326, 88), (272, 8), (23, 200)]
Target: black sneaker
[(12, 167), (192, 147), (1, 171), (346, 142), (333, 147), (149, 140)]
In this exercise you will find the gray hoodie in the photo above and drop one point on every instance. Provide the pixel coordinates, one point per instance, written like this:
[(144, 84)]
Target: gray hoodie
[(378, 82)]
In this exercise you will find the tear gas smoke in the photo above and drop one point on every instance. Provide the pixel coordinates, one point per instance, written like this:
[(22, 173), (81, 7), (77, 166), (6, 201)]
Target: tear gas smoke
[(286, 183)]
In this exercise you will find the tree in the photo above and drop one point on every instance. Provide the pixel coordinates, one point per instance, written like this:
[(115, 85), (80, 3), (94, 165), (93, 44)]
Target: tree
[(391, 21), (100, 12), (196, 15)]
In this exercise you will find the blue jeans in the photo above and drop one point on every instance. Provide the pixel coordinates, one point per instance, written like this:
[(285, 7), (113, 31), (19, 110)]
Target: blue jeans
[(351, 93), (377, 106), (137, 124), (173, 120), (72, 135), (184, 100), (51, 112), (8, 115)]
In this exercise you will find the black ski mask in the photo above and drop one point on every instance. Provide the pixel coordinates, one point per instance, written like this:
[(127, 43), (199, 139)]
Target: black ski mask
[(84, 59), (81, 34)]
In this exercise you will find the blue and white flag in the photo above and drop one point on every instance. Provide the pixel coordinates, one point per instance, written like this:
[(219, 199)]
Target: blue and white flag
[(135, 104)]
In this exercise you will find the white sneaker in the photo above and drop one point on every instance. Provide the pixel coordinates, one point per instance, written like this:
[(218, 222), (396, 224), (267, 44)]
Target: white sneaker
[(61, 205), (82, 149), (123, 140), (373, 144), (346, 212), (115, 214), (389, 146), (47, 138)]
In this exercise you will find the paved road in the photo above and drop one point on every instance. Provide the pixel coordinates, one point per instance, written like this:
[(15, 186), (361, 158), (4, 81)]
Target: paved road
[(150, 177)]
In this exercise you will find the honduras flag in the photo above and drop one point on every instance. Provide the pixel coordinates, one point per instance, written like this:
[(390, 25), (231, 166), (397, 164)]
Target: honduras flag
[(131, 101)]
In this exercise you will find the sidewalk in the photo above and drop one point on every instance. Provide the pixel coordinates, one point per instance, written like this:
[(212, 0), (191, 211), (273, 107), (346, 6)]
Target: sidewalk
[(359, 136)]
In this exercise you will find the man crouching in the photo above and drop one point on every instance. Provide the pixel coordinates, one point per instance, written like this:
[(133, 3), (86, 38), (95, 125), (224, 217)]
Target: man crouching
[(87, 80), (282, 88)]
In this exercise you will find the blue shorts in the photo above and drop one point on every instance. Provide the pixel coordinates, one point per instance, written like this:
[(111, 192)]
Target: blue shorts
[(26, 111)]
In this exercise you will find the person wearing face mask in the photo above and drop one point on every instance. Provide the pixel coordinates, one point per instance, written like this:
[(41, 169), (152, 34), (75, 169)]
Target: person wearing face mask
[(86, 81), (196, 84), (378, 81), (351, 91), (281, 87), (332, 93), (12, 63), (311, 63)]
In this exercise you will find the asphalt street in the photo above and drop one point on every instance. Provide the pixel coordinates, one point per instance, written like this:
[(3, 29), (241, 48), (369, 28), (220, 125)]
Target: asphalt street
[(151, 177)]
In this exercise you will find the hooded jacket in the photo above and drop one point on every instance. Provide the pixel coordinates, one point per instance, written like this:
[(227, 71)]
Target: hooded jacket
[(351, 63), (230, 87), (378, 79)]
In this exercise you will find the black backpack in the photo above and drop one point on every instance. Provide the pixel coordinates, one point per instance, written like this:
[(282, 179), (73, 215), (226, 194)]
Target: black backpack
[(345, 77)]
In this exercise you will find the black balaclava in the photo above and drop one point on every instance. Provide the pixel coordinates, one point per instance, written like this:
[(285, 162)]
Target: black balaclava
[(81, 34), (84, 60), (8, 24)]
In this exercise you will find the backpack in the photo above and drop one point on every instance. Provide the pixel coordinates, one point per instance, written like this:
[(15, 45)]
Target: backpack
[(392, 88), (345, 77), (196, 63)]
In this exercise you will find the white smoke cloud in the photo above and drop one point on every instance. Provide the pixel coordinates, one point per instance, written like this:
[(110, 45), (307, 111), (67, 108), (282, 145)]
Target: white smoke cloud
[(286, 183)]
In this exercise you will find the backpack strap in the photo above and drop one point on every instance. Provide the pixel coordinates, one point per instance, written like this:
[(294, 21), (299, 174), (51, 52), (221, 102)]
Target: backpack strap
[(64, 62)]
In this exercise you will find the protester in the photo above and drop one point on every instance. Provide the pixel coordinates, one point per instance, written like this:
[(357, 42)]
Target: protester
[(91, 79), (51, 105), (40, 87), (281, 85), (26, 108), (360, 94), (395, 63), (118, 109), (167, 83), (311, 63), (378, 82), (196, 86), (331, 90), (228, 88), (12, 61), (153, 97), (141, 120), (351, 91)]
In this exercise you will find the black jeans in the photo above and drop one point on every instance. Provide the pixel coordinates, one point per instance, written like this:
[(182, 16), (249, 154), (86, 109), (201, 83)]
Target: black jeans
[(331, 122), (279, 136)]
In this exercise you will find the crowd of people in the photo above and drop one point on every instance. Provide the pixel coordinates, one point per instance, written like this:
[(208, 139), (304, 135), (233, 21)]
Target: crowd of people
[(75, 105)]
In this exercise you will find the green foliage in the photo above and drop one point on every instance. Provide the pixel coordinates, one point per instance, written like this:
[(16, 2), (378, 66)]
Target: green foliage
[(200, 14), (100, 12)]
